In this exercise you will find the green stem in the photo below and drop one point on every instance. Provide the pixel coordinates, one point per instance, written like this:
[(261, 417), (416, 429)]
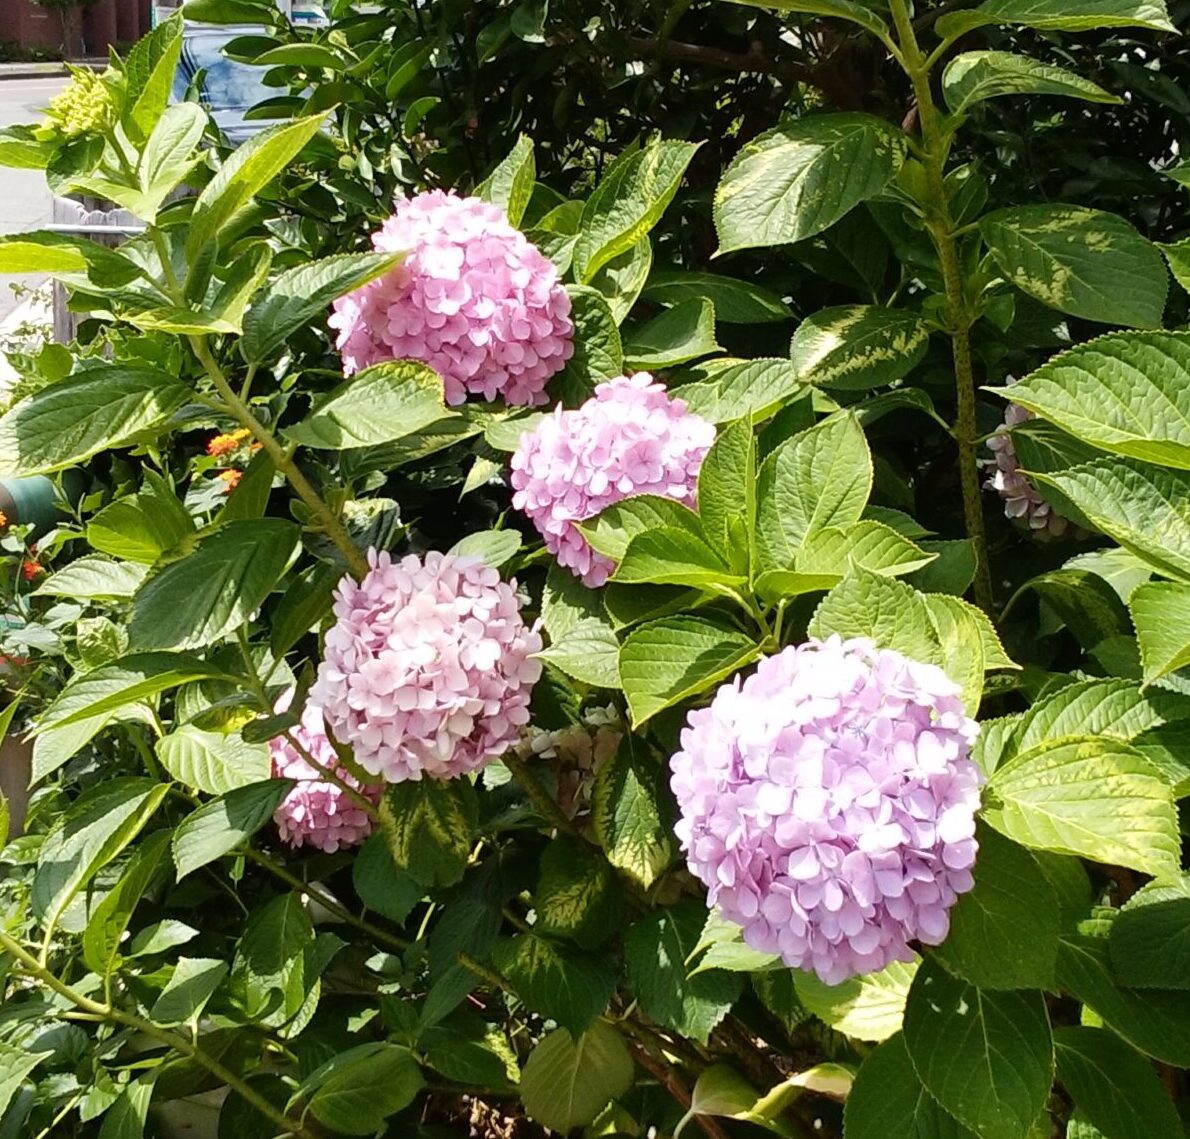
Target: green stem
[(327, 519), (31, 966), (340, 911), (960, 317)]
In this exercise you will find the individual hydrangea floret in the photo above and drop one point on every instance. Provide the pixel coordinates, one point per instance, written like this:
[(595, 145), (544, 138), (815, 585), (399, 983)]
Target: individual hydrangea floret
[(472, 299), (630, 438), (828, 804), (1023, 502), (316, 812), (428, 668)]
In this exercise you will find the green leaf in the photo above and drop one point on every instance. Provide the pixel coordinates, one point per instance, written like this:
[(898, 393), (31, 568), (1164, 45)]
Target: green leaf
[(858, 347), (429, 826), (140, 527), (56, 746), (106, 406), (169, 155), (357, 1090), (305, 603), (611, 531), (380, 405), (666, 661), (1150, 937), (96, 827), (1155, 1021), (149, 71), (727, 495), (892, 614), (556, 981), (588, 652), (220, 826), (1080, 261), (888, 1101), (125, 1119), (755, 389), (621, 280), (109, 920), (122, 682), (1004, 933), (974, 76), (510, 185), (270, 981), (736, 301), (212, 762), (656, 951), (628, 202), (212, 584), (870, 545), (857, 11), (987, 1057), (21, 149), (1140, 506), (1092, 797), (303, 292), (493, 547), (1177, 257), (819, 478), (1161, 613), (63, 255), (192, 983), (627, 814), (1112, 1085), (1061, 15), (1125, 393), (93, 578), (1114, 708), (868, 1007), (380, 885), (672, 556), (680, 334), (250, 167), (576, 895), (16, 1064), (598, 352), (798, 180), (567, 1082)]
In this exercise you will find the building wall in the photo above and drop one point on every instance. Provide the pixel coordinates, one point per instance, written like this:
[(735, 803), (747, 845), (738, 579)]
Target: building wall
[(105, 22)]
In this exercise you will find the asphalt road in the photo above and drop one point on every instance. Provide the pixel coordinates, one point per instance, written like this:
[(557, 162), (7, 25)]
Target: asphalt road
[(24, 198)]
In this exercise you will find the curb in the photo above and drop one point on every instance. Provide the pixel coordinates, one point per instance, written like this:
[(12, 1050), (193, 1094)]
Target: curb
[(47, 70)]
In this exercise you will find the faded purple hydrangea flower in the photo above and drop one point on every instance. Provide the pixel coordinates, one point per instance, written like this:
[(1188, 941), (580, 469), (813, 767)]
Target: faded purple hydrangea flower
[(630, 438), (316, 812), (428, 668), (472, 299), (1022, 500), (828, 804)]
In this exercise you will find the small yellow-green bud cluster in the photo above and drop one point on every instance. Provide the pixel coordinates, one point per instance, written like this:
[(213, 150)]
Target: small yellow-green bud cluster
[(84, 107)]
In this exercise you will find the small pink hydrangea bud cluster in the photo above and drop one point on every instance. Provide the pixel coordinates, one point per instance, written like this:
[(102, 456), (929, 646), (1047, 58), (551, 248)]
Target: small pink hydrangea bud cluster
[(828, 804), (428, 668), (1022, 500), (630, 438), (316, 812), (472, 299)]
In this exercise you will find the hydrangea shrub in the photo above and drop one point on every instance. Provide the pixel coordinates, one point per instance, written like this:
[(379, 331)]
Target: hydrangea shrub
[(519, 636)]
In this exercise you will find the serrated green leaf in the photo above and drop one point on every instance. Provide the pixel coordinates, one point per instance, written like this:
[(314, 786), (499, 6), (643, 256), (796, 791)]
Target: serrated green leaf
[(680, 334), (1060, 15), (621, 280), (798, 180), (627, 814), (598, 350), (868, 1007), (611, 531), (589, 652), (974, 76), (987, 1057), (429, 826), (93, 578), (628, 202), (212, 762), (669, 555), (576, 895), (1150, 937), (1085, 262), (140, 527), (858, 347), (493, 547), (1092, 797), (1161, 613), (567, 1082), (220, 826), (190, 986), (510, 185), (736, 301), (557, 981), (752, 389)]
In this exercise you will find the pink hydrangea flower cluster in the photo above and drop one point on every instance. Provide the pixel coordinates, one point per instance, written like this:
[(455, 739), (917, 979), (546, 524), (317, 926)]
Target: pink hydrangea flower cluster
[(1022, 500), (316, 812), (472, 299), (828, 804), (630, 438), (428, 668)]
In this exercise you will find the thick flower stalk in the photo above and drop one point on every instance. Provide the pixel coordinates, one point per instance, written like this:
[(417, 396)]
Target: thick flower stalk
[(472, 299), (316, 812), (630, 438), (1023, 502), (428, 668), (828, 804)]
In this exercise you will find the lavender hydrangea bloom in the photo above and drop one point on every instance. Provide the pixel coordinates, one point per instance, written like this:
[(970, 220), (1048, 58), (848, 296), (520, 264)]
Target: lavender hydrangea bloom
[(630, 438), (828, 804), (316, 812), (472, 299), (429, 667), (1022, 500)]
